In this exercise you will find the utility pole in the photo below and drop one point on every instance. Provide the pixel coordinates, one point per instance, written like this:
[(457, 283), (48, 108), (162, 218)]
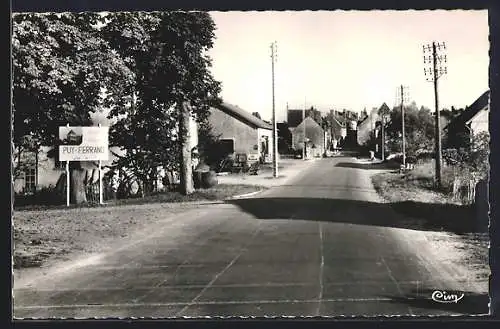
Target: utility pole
[(304, 150), (345, 126), (433, 74), (383, 137), (275, 132), (404, 98), (403, 127), (383, 112)]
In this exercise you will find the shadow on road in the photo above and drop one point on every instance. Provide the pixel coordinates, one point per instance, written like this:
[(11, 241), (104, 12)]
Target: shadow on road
[(470, 304), (368, 166), (407, 215)]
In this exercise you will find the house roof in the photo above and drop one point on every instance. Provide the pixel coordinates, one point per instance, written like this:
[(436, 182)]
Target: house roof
[(310, 123), (374, 113), (243, 115), (294, 117), (479, 104), (363, 121), (384, 108)]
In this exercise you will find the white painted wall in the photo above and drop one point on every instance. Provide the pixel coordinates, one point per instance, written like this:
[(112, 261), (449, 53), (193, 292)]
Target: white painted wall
[(480, 122)]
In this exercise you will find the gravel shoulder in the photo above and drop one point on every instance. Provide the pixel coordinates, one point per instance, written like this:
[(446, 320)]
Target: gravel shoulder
[(44, 238), (466, 252)]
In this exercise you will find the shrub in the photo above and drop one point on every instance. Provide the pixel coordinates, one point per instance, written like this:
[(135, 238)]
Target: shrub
[(45, 196), (411, 159)]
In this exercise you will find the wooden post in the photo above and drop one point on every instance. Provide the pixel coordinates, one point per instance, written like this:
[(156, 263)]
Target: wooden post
[(383, 138), (100, 180), (67, 179), (275, 130)]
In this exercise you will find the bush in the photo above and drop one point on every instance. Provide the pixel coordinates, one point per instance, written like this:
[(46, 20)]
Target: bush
[(471, 160), (411, 159), (44, 196), (424, 156)]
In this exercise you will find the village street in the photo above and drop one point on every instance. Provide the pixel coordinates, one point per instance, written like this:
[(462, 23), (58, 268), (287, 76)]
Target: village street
[(322, 244)]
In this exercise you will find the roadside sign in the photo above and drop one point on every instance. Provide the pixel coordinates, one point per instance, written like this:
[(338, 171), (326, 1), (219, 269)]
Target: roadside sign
[(83, 143), (252, 157)]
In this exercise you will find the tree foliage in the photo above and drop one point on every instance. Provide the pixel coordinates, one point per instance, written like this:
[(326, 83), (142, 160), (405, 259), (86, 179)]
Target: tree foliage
[(419, 130), (167, 53), (209, 145), (150, 66), (61, 66), (472, 157)]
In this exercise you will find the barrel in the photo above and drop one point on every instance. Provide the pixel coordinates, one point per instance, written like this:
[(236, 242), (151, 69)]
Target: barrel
[(209, 179)]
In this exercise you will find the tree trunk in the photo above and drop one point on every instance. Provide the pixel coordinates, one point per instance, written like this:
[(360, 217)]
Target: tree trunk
[(77, 187), (186, 172)]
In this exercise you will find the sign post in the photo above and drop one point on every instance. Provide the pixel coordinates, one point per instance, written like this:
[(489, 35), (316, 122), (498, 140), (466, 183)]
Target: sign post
[(67, 179), (83, 144), (100, 180)]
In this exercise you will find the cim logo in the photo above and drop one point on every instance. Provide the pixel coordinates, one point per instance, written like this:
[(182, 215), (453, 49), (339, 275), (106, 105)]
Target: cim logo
[(446, 297)]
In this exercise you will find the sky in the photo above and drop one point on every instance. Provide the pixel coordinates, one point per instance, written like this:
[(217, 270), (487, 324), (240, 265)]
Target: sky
[(347, 59)]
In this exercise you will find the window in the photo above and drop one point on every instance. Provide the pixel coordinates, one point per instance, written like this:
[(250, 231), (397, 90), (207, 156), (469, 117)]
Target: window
[(29, 180)]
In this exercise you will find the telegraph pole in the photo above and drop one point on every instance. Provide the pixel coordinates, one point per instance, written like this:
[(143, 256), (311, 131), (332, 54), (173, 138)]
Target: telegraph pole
[(403, 126), (433, 74), (403, 95), (275, 132), (304, 150), (383, 137)]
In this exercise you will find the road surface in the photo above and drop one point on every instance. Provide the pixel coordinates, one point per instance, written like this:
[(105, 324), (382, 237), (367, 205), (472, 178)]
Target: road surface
[(324, 244)]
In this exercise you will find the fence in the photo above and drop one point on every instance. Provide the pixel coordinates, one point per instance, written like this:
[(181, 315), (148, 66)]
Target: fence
[(92, 191), (464, 190)]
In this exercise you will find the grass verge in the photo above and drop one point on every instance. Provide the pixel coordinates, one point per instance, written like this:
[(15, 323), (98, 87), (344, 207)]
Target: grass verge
[(465, 248), (218, 192), (43, 234)]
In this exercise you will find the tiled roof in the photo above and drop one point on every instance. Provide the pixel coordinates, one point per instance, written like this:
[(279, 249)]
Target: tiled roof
[(243, 115)]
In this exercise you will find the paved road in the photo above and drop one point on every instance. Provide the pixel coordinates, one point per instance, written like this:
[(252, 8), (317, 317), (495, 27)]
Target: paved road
[(321, 245)]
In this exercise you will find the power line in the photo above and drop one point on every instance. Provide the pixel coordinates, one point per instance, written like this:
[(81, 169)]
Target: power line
[(437, 68)]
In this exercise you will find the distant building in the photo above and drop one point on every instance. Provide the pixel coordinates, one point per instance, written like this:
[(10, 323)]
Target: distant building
[(367, 127), (241, 132), (284, 138), (314, 136), (337, 127)]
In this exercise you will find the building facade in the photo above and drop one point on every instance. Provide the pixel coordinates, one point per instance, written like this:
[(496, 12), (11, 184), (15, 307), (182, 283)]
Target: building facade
[(315, 137), (241, 132)]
